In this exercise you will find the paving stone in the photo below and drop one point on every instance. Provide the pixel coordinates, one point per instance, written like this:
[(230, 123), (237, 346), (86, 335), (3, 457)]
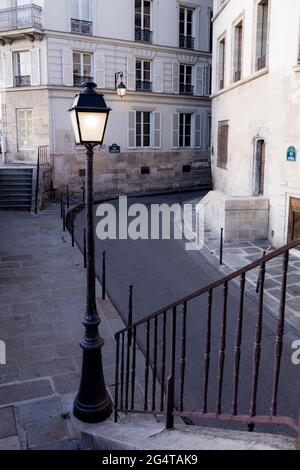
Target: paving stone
[(7, 422), (38, 410), (4, 310), (29, 355), (64, 445), (46, 368), (8, 374), (44, 338), (294, 290), (21, 309), (16, 258), (70, 349), (46, 432), (67, 383), (10, 443), (25, 391)]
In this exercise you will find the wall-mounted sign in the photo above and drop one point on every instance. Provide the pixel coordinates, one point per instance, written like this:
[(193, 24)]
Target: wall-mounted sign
[(114, 148), (291, 154)]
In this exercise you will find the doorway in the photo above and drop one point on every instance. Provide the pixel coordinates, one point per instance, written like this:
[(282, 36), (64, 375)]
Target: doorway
[(259, 168), (294, 219)]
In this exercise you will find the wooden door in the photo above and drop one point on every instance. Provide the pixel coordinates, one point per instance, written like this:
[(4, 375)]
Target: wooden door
[(294, 219)]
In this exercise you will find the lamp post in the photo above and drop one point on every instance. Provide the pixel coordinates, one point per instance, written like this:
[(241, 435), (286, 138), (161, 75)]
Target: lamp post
[(120, 86), (89, 116)]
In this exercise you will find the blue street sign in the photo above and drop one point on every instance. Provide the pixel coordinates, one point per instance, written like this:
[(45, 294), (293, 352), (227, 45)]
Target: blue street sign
[(291, 155)]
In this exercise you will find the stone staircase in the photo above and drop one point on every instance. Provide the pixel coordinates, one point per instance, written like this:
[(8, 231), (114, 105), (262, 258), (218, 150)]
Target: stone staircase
[(16, 188)]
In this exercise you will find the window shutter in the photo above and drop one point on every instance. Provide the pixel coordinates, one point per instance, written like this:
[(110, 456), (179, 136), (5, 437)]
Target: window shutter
[(157, 130), (8, 62), (130, 73), (99, 70), (175, 73), (175, 130), (223, 131), (200, 77), (67, 64), (2, 70), (131, 129), (35, 67), (207, 79), (198, 131), (158, 76)]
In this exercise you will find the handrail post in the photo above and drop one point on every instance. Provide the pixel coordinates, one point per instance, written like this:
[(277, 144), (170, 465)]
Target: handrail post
[(130, 314), (171, 378), (73, 234), (68, 197), (221, 246), (37, 187), (61, 206), (64, 216)]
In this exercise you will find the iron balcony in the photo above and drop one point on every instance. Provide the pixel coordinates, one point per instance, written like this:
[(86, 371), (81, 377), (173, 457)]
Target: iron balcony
[(81, 27), (22, 80), (186, 42), (186, 89), (21, 17), (143, 85), (143, 35)]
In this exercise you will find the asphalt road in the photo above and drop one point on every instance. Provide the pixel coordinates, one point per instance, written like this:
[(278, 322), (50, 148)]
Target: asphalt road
[(161, 272)]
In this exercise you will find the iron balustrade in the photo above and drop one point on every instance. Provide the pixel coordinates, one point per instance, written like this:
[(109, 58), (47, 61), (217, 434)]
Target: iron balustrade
[(142, 85), (22, 80), (21, 17), (237, 75), (79, 80), (162, 338), (43, 160), (186, 42), (81, 27), (143, 35), (261, 62), (185, 89)]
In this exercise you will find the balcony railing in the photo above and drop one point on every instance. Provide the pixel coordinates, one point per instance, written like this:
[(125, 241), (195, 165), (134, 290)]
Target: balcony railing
[(186, 89), (81, 27), (143, 85), (143, 35), (22, 80), (21, 17), (261, 62), (237, 75), (186, 42), (78, 80)]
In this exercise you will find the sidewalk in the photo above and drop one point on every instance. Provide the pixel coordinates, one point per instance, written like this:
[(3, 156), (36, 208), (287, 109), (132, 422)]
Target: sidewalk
[(239, 254), (42, 302)]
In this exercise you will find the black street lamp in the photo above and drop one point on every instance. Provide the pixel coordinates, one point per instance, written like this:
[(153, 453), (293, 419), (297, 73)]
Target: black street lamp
[(120, 86), (89, 116)]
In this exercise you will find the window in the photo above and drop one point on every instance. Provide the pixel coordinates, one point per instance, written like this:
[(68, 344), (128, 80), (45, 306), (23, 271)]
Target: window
[(81, 17), (185, 124), (185, 84), (25, 129), (211, 31), (143, 31), (222, 52), (143, 75), (238, 52), (186, 39), (262, 34), (82, 67), (22, 68), (223, 130), (143, 129)]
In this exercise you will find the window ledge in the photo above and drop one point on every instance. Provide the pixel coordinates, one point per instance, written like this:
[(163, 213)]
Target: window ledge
[(220, 9), (249, 79)]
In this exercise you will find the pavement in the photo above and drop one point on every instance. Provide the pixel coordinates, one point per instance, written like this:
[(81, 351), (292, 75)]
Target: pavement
[(161, 272), (42, 301)]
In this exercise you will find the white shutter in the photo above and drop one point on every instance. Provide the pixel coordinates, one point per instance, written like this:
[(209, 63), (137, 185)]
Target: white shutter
[(35, 67), (2, 70), (200, 72), (198, 130), (67, 64), (99, 70), (131, 129), (175, 77), (157, 130), (158, 76), (9, 76), (131, 73), (175, 130)]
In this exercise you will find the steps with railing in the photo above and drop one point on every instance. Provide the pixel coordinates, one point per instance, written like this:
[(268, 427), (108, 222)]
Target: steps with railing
[(230, 339)]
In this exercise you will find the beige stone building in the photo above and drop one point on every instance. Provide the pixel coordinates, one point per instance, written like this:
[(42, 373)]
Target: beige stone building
[(162, 125), (256, 120)]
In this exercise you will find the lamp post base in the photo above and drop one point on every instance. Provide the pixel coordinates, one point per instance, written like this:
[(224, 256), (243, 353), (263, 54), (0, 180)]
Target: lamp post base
[(93, 414)]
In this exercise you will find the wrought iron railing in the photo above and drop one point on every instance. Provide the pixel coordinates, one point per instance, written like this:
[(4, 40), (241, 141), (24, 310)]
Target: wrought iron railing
[(82, 27), (186, 42), (21, 17), (185, 89), (171, 368), (22, 80), (78, 80), (143, 85), (143, 35), (261, 62), (43, 160), (237, 75)]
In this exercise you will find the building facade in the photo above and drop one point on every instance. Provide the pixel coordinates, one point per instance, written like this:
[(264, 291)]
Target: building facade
[(162, 125), (256, 120)]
